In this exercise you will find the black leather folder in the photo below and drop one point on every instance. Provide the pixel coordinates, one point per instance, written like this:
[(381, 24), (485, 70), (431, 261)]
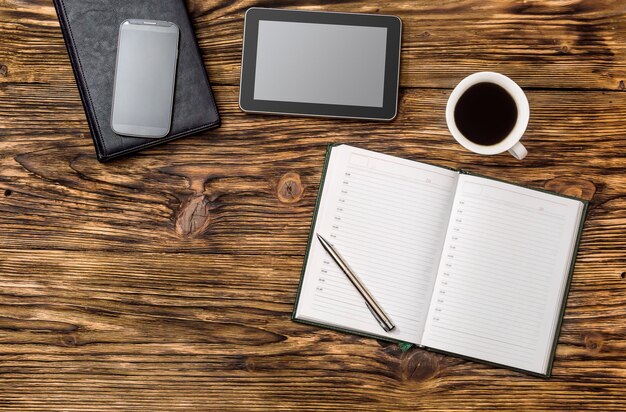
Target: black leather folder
[(90, 29)]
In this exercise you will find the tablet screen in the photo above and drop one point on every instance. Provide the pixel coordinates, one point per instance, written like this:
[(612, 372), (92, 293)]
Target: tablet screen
[(320, 63)]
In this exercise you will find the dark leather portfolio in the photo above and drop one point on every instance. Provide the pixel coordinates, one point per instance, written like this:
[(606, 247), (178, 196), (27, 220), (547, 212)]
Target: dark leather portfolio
[(90, 29)]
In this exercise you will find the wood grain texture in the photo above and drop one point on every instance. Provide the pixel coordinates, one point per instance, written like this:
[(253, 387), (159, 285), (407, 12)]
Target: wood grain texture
[(165, 281), (543, 44)]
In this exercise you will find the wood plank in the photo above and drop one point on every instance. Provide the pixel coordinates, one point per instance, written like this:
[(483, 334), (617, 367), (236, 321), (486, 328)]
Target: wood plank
[(165, 281), (540, 44), (219, 191), (182, 331)]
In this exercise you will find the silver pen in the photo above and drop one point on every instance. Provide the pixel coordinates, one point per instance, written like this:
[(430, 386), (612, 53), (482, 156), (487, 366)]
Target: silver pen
[(378, 312)]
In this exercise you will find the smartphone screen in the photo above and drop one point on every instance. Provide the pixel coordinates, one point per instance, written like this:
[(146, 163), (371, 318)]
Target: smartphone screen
[(145, 75)]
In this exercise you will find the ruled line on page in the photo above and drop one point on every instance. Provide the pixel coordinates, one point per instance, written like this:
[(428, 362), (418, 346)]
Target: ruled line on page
[(387, 217), (500, 275)]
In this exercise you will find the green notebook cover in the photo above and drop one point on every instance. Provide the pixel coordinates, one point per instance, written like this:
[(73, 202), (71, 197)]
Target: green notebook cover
[(407, 345)]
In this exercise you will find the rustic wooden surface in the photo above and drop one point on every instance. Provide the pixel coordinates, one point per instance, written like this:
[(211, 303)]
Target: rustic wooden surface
[(166, 280)]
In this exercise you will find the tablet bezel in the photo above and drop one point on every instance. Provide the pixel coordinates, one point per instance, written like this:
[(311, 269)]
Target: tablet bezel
[(388, 111)]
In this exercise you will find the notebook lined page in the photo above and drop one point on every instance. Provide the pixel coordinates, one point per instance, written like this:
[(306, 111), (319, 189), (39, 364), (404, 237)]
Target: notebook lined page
[(502, 274), (387, 217)]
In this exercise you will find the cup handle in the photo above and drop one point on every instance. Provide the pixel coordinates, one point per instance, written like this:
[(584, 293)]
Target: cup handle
[(518, 151)]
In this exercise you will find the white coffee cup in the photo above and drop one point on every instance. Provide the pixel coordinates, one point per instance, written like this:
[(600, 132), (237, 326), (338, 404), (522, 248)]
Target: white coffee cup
[(512, 141)]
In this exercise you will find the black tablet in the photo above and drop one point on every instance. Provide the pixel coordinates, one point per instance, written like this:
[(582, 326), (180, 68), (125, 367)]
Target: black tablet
[(320, 64)]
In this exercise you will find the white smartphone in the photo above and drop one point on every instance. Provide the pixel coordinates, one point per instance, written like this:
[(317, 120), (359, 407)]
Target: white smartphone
[(145, 75)]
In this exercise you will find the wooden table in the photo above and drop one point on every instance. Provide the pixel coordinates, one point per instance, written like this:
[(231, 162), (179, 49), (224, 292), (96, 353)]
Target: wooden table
[(166, 280)]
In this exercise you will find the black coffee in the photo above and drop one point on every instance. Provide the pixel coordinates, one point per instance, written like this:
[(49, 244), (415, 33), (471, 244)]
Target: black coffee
[(485, 114)]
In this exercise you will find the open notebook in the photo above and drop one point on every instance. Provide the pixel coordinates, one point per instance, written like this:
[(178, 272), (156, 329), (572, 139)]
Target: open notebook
[(462, 264)]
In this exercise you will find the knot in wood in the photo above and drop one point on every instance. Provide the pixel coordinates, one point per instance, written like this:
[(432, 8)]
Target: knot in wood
[(289, 189), (414, 365), (419, 365), (68, 340), (4, 70), (193, 218), (572, 186), (593, 342), (249, 365)]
